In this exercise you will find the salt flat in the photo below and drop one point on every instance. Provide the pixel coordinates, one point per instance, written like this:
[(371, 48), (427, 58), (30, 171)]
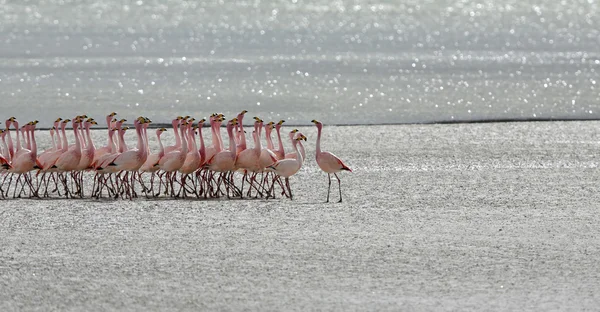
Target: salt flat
[(498, 216)]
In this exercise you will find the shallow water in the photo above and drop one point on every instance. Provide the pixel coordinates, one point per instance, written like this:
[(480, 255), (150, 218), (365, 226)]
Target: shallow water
[(470, 217), (362, 62)]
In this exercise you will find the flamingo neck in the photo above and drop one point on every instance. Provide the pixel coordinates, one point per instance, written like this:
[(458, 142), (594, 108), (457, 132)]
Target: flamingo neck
[(18, 147), (299, 157), (269, 139), (77, 140), (65, 143), (279, 141), (11, 148), (145, 133), (122, 145), (33, 143), (192, 140), (242, 136), (90, 144), (319, 127), (111, 142), (232, 145), (161, 148), (184, 146), (258, 146), (202, 147), (176, 129)]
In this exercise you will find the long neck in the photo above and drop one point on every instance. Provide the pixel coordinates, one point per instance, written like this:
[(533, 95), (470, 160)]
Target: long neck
[(232, 146), (302, 151), (82, 136), (27, 137), (257, 145), (11, 148), (213, 133), (219, 137), (177, 137), (242, 136), (319, 139), (122, 145), (65, 143), (111, 142), (202, 147), (141, 146), (90, 144), (161, 148), (184, 146), (269, 139), (140, 138), (77, 140), (299, 156), (33, 143), (281, 150), (192, 139), (145, 132), (219, 144), (53, 140), (18, 147)]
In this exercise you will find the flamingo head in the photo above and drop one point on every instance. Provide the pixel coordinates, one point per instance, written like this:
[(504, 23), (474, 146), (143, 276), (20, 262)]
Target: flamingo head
[(279, 124)]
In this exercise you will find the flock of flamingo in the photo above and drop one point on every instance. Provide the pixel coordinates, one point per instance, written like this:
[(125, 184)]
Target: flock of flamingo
[(180, 170)]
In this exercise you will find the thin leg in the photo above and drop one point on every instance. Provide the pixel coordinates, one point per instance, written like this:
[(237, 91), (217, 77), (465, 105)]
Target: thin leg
[(339, 186), (329, 188)]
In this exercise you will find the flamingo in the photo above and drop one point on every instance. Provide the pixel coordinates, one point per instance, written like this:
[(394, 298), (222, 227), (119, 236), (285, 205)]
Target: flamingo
[(288, 167), (224, 161), (105, 149), (249, 159), (174, 160), (132, 159), (329, 162), (25, 161)]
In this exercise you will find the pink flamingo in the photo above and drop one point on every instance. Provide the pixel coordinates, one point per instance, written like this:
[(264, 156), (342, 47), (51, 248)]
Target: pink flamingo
[(88, 152), (131, 160), (249, 159), (288, 167), (224, 161), (69, 159), (25, 161), (106, 149), (174, 160), (329, 162), (267, 155)]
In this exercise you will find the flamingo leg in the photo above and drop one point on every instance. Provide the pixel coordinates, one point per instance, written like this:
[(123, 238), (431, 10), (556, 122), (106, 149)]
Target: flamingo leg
[(329, 188), (339, 186)]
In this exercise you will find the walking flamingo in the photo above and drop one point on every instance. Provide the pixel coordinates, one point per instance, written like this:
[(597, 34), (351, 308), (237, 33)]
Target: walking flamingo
[(329, 162), (288, 167)]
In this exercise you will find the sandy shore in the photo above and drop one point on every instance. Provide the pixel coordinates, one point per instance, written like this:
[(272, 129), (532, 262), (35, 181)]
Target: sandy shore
[(435, 217)]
